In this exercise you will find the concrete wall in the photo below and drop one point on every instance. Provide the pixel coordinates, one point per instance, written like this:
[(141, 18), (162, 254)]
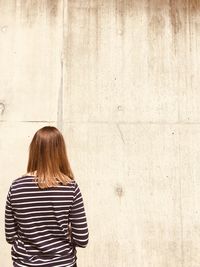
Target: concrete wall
[(121, 81)]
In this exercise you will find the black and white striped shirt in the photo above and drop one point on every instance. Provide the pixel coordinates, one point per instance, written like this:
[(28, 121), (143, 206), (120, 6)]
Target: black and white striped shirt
[(36, 223)]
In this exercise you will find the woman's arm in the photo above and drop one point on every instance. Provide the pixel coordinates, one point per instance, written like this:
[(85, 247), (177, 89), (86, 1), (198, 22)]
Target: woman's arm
[(77, 218), (10, 224)]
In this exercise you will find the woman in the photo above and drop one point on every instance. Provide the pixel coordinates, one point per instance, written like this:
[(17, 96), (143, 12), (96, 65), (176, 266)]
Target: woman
[(45, 218)]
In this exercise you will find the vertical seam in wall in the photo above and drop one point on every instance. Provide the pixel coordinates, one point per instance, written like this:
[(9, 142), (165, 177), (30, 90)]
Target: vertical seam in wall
[(180, 199), (61, 89)]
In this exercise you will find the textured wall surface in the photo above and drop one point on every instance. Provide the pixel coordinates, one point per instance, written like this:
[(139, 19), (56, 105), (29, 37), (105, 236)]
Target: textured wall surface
[(121, 80)]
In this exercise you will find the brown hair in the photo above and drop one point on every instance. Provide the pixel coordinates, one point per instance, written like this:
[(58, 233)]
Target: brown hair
[(48, 158)]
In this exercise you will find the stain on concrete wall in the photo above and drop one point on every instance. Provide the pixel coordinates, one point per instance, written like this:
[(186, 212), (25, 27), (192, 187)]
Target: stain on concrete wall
[(2, 108), (175, 16), (30, 11)]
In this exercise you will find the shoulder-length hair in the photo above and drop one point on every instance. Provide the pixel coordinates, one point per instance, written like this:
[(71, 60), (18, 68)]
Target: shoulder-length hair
[(48, 158)]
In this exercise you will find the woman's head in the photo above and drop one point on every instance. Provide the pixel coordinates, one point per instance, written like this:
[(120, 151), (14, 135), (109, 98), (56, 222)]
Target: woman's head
[(48, 158)]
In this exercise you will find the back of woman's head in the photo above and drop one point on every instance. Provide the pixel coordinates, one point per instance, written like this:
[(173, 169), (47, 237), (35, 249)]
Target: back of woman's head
[(48, 158)]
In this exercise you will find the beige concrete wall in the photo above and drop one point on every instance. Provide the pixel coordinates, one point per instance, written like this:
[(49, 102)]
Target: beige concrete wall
[(121, 80)]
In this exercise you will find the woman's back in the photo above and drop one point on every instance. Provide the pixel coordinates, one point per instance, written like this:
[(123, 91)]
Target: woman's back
[(37, 223)]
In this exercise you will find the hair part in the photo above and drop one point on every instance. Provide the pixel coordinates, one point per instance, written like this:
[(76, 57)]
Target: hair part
[(48, 158)]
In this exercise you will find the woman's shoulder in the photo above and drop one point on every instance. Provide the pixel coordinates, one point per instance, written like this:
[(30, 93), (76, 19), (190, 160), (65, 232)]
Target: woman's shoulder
[(22, 178), (28, 178)]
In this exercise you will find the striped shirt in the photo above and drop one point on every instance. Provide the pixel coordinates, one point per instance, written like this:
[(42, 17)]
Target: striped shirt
[(37, 223)]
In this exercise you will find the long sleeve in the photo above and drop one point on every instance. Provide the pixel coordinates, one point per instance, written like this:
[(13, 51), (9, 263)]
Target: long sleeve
[(77, 218), (10, 224)]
